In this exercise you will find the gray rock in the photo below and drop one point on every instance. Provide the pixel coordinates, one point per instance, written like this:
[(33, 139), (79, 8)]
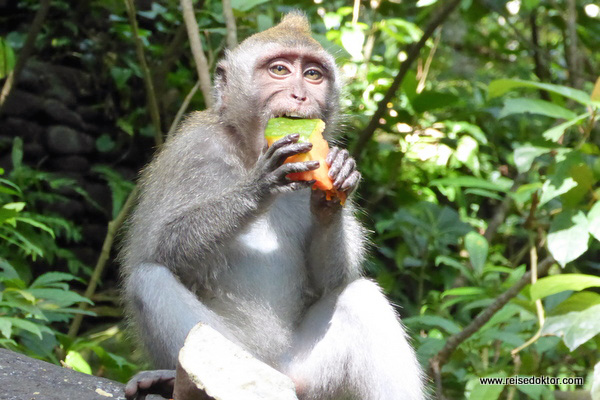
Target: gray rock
[(24, 378), (64, 140)]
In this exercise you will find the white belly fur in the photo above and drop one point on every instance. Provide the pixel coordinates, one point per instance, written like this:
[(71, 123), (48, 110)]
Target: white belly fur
[(263, 288)]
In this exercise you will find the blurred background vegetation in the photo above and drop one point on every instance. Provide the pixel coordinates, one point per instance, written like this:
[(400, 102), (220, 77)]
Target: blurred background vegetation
[(474, 123)]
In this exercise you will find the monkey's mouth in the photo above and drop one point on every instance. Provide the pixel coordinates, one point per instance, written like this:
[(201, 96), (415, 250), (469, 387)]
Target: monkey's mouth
[(292, 115)]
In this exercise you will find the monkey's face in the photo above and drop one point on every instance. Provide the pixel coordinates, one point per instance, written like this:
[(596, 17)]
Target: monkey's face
[(293, 83)]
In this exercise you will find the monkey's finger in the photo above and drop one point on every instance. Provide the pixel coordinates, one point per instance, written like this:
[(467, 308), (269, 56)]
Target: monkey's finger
[(331, 155), (291, 168), (351, 182), (281, 154), (347, 168), (282, 142), (338, 162)]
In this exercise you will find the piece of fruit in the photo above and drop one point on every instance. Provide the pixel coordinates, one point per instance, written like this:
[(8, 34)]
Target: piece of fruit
[(310, 130)]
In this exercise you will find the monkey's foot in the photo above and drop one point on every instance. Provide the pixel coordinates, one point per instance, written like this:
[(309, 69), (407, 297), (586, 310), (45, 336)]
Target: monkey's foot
[(159, 382)]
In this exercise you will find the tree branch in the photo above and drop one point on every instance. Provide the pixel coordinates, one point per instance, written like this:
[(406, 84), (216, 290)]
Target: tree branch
[(439, 16), (437, 361), (34, 30), (196, 44), (150, 93), (230, 24)]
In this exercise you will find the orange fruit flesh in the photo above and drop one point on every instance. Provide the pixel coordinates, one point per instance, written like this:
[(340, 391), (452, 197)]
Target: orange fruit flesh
[(319, 153)]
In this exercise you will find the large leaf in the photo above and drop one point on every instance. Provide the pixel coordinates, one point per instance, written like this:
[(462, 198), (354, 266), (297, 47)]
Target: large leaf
[(535, 106), (502, 86), (575, 328), (549, 285), (568, 237), (477, 246), (557, 131)]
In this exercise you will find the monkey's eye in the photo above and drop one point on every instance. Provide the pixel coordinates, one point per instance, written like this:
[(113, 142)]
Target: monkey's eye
[(279, 69), (313, 74)]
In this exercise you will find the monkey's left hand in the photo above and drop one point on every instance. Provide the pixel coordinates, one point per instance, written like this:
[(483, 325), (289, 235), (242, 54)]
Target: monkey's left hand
[(345, 177)]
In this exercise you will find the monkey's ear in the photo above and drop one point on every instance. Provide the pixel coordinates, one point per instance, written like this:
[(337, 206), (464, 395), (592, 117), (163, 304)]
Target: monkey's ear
[(220, 84)]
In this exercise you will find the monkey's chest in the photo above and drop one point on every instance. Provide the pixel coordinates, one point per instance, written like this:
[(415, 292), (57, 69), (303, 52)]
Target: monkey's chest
[(267, 259)]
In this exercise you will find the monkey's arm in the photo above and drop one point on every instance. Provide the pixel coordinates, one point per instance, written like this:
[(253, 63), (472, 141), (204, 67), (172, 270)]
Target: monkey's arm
[(185, 218), (336, 251), (337, 246)]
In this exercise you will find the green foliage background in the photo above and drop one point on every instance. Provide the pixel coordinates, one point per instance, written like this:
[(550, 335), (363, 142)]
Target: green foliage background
[(486, 160)]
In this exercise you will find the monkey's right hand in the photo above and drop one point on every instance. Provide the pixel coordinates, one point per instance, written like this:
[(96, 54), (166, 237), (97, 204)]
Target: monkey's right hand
[(270, 173)]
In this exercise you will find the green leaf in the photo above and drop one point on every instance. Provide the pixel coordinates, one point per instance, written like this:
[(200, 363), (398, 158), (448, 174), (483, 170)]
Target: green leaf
[(435, 321), (62, 298), (575, 328), (464, 291), (594, 220), (468, 181), (6, 214), (77, 362), (37, 224), (28, 326), (554, 187), (5, 327), (485, 392), (549, 285), (484, 193), (502, 86), (451, 262), (568, 236), (535, 106), (463, 126), (477, 247), (578, 301), (524, 156), (7, 58), (52, 277), (246, 5), (556, 132)]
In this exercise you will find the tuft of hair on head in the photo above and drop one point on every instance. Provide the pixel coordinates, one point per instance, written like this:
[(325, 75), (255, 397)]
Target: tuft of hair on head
[(295, 20)]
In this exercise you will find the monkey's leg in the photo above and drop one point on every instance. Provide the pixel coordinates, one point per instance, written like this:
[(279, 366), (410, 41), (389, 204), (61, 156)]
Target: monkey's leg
[(164, 311), (351, 345)]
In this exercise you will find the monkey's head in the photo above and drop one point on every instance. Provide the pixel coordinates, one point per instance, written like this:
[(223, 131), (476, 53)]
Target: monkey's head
[(282, 71)]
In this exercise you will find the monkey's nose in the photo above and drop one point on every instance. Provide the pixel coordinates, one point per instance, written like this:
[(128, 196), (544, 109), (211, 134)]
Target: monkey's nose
[(298, 97)]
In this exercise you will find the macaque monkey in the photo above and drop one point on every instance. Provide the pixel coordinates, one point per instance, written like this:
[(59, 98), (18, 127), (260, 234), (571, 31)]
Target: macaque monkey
[(221, 236)]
